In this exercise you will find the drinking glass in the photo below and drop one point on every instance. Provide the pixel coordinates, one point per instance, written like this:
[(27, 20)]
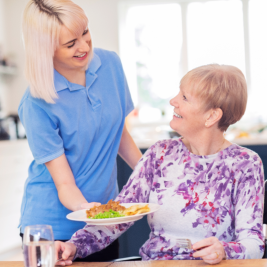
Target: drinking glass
[(38, 246)]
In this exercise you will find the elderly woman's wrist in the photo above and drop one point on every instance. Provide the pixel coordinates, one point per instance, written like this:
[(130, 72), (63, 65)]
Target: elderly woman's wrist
[(76, 252)]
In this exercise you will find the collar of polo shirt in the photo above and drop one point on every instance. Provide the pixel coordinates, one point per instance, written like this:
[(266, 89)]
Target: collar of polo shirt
[(61, 83)]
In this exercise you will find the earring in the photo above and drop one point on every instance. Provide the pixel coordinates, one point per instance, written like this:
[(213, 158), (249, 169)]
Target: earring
[(206, 124)]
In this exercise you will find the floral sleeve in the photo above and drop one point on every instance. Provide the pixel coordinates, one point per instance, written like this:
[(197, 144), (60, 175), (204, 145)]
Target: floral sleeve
[(91, 238), (248, 214)]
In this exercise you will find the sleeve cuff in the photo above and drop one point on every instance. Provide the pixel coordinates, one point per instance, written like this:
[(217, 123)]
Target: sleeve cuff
[(76, 253), (50, 157), (233, 250)]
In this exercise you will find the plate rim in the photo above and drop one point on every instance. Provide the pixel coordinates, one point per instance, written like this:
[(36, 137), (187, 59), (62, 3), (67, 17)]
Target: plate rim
[(115, 220)]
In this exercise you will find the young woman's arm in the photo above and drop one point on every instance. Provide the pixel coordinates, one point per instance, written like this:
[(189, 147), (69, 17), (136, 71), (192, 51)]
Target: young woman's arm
[(93, 238), (69, 194), (128, 150)]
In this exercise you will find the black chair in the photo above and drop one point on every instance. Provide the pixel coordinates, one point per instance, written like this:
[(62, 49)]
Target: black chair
[(265, 219)]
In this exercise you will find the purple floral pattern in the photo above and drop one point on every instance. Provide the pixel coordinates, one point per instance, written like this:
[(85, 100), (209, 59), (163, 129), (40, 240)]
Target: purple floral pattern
[(218, 195)]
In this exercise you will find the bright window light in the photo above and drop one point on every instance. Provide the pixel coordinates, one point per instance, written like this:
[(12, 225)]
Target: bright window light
[(151, 52), (258, 51), (155, 56), (215, 34)]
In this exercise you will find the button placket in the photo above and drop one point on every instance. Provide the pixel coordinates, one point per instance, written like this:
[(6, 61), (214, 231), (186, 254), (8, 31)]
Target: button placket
[(94, 101)]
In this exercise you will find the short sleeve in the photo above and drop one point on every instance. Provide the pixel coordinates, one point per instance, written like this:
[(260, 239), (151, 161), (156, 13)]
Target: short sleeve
[(127, 99), (42, 132)]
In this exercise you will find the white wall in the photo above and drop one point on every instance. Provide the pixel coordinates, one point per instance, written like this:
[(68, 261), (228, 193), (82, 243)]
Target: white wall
[(103, 24), (2, 22), (17, 84), (3, 82)]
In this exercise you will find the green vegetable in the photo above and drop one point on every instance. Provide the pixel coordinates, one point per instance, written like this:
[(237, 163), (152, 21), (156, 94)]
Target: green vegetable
[(108, 214)]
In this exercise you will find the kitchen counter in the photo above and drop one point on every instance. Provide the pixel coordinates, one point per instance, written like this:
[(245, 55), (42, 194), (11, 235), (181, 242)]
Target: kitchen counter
[(148, 142)]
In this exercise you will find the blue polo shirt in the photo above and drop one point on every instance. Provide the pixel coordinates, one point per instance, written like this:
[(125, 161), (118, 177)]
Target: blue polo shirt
[(86, 124)]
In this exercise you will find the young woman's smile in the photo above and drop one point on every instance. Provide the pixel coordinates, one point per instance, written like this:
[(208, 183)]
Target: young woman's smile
[(73, 52), (82, 56)]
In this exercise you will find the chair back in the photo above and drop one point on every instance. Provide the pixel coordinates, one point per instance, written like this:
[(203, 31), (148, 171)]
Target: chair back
[(265, 204), (265, 219)]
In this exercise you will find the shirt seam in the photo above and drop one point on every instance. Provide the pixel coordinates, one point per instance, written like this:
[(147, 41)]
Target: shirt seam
[(49, 157), (33, 102)]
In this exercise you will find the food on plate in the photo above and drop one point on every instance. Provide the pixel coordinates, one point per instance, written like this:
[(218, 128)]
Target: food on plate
[(111, 205), (136, 209), (108, 214), (113, 209)]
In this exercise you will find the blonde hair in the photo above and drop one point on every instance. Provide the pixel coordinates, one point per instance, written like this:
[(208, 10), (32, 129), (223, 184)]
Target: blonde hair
[(219, 86), (42, 22)]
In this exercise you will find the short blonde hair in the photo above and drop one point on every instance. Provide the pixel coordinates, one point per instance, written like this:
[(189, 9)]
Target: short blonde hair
[(42, 22), (219, 86)]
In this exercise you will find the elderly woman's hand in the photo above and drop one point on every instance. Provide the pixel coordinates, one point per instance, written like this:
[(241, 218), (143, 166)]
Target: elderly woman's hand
[(210, 250), (65, 253)]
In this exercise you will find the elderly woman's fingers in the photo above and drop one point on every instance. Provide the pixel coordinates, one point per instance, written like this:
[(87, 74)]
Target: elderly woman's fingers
[(59, 248), (204, 252), (64, 263), (213, 256), (205, 243), (64, 253), (210, 254)]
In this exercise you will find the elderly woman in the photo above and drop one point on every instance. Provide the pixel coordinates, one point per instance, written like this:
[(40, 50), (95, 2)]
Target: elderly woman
[(210, 190)]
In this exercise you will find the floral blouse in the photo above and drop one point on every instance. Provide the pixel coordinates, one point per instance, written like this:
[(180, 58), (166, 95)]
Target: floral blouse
[(217, 195)]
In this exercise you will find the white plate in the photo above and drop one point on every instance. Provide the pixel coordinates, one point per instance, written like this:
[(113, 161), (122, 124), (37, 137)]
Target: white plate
[(80, 215)]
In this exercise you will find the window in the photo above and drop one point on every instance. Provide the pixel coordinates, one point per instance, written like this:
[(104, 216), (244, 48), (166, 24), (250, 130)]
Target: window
[(215, 34), (258, 55), (162, 40)]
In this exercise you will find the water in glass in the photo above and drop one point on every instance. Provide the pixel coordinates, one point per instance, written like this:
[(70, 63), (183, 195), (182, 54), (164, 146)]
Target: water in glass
[(38, 246)]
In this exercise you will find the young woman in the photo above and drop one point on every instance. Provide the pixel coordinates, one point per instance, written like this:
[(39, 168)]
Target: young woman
[(73, 112)]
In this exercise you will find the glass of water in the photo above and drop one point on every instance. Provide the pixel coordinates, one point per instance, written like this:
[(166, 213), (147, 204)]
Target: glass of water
[(38, 246)]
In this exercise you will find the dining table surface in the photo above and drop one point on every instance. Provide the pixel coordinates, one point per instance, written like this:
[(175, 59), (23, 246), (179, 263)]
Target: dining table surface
[(170, 263)]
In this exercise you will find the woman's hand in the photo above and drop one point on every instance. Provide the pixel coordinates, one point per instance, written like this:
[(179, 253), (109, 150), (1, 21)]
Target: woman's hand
[(64, 251), (89, 205), (210, 250)]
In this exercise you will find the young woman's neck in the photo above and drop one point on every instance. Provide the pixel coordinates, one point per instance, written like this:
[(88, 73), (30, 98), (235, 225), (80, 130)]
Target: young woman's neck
[(73, 76)]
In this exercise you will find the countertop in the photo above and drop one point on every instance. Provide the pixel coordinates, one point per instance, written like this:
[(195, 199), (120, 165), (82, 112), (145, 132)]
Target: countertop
[(148, 142)]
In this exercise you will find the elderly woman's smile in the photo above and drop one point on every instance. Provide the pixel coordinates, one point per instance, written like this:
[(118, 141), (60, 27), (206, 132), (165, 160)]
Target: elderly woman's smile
[(188, 114), (177, 115)]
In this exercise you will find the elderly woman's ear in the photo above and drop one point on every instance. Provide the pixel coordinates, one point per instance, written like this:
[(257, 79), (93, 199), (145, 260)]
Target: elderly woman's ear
[(213, 117)]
